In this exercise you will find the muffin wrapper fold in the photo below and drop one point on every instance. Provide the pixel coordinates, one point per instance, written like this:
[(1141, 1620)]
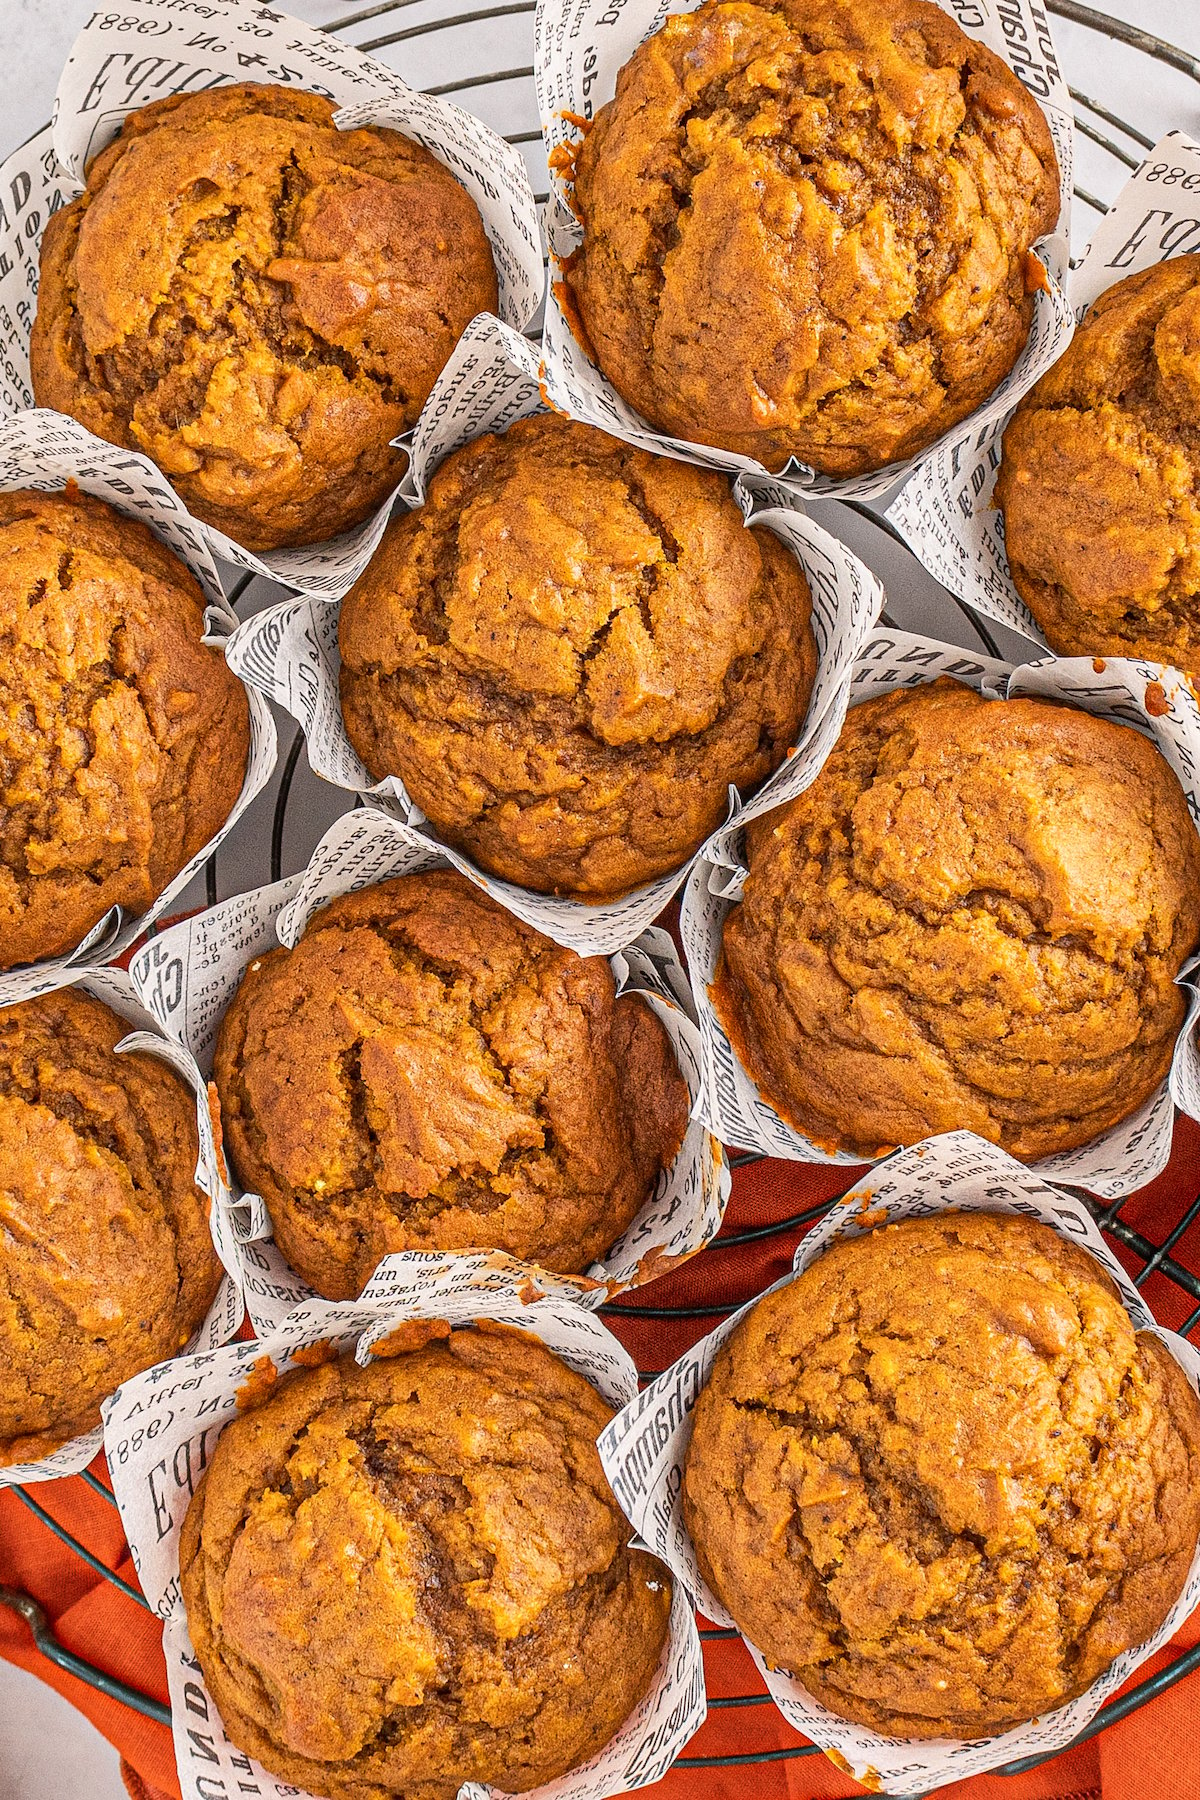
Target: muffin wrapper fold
[(580, 46), (135, 52), (115, 989), (46, 450), (945, 513), (160, 1429), (290, 651), (187, 975), (1133, 1151), (644, 1450)]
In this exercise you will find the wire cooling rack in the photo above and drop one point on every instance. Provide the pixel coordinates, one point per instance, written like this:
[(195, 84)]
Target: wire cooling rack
[(492, 44)]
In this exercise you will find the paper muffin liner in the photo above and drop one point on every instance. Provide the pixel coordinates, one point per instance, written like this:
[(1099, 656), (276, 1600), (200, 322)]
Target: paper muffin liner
[(160, 1430), (186, 977), (290, 651), (580, 46), (1159, 704), (946, 512), (134, 52), (46, 450), (115, 989), (645, 1447)]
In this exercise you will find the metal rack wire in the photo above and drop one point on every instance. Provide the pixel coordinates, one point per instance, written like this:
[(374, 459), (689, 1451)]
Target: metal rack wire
[(502, 90)]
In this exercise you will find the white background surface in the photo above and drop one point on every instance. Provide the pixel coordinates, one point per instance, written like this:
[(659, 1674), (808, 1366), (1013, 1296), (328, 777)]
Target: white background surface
[(47, 1751)]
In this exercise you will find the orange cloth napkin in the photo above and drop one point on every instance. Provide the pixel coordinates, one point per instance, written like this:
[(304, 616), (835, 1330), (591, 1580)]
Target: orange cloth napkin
[(1152, 1755)]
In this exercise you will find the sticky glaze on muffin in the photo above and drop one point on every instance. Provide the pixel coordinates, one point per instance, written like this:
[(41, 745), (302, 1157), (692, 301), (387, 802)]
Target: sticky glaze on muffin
[(972, 918), (1100, 473), (426, 1072), (941, 1480), (106, 1261), (413, 1575), (807, 228), (570, 653), (259, 302), (123, 738)]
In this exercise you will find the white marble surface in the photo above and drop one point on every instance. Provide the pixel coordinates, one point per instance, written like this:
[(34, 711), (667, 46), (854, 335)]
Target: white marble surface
[(47, 1752)]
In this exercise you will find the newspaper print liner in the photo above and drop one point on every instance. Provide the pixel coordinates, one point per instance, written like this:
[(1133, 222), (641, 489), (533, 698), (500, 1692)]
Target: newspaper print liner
[(644, 1449), (1133, 1151), (136, 52), (290, 651), (160, 1429), (579, 48), (115, 989), (45, 450), (945, 513), (187, 975)]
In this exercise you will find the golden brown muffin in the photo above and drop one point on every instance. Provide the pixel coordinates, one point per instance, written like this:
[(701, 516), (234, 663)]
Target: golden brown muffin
[(123, 738), (973, 918), (408, 1576), (260, 302), (1100, 475), (425, 1072), (941, 1480), (106, 1261), (570, 652), (807, 228)]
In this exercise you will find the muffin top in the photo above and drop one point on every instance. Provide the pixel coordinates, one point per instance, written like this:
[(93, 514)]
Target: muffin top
[(425, 1072), (807, 228), (260, 302), (408, 1576), (941, 1480), (570, 652), (973, 918), (1100, 473), (106, 1262), (123, 738)]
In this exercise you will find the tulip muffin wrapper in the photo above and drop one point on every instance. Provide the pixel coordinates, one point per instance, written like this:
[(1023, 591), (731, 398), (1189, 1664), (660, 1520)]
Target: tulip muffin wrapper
[(115, 989), (46, 451), (133, 53), (161, 1427), (580, 47), (1133, 1151), (645, 1447), (946, 513), (187, 975), (290, 651)]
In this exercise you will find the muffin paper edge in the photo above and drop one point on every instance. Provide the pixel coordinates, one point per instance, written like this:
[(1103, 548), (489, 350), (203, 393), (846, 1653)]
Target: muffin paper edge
[(644, 1448), (160, 1428), (289, 652), (186, 976), (1125, 691)]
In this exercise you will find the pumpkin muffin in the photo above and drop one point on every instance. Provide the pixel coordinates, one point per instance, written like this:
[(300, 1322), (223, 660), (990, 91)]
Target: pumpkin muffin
[(410, 1576), (807, 228), (106, 1261), (259, 302), (973, 918), (570, 653), (123, 737), (425, 1072), (941, 1480), (1100, 475)]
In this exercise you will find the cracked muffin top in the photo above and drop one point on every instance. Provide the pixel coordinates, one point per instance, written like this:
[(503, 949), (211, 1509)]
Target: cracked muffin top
[(807, 228), (123, 738), (413, 1575), (941, 1480), (106, 1261), (973, 918), (1099, 478), (570, 652), (426, 1072), (259, 302)]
